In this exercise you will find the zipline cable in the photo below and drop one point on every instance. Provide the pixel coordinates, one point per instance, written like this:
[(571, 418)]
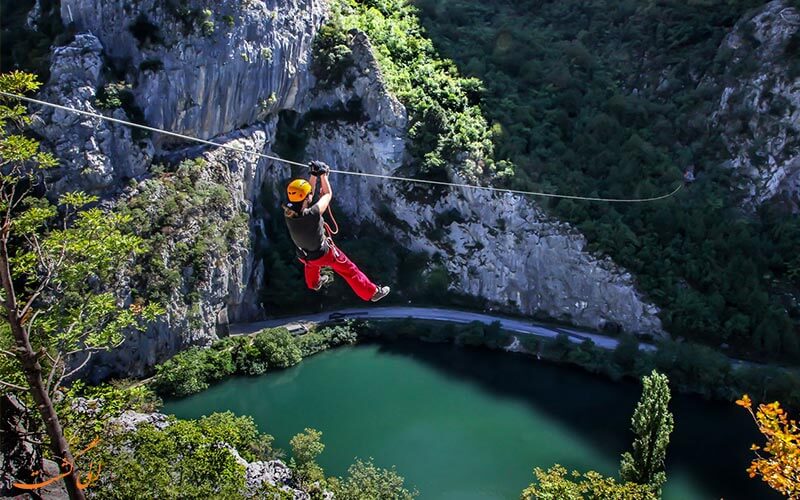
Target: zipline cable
[(344, 172)]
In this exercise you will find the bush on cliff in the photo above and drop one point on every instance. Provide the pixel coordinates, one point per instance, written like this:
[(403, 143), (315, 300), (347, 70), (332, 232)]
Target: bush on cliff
[(186, 459)]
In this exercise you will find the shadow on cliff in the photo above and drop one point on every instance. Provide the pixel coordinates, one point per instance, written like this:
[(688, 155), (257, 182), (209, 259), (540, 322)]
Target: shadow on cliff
[(710, 442)]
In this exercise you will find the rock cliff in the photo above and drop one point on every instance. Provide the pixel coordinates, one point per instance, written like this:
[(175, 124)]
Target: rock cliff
[(759, 110), (224, 70), (204, 67), (501, 248)]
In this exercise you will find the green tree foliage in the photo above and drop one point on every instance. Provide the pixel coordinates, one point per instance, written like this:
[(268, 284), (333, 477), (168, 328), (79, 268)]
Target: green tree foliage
[(102, 403), (559, 96), (54, 261), (174, 261), (446, 128), (186, 459), (192, 371), (556, 484), (195, 369), (278, 348), (652, 424), (365, 481), (306, 447), (332, 54)]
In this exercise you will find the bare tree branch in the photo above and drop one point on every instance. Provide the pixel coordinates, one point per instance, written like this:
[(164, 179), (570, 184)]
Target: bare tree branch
[(11, 295), (76, 370), (8, 353), (52, 372), (13, 386)]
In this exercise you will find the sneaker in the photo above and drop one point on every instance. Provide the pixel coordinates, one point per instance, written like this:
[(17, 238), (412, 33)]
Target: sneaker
[(323, 280), (380, 292)]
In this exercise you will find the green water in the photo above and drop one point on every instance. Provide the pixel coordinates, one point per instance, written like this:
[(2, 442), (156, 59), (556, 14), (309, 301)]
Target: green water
[(472, 424)]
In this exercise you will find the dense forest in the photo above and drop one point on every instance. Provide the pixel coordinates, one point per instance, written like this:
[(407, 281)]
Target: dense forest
[(611, 99)]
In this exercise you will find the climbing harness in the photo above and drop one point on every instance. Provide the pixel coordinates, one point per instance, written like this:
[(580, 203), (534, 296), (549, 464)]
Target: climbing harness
[(343, 172)]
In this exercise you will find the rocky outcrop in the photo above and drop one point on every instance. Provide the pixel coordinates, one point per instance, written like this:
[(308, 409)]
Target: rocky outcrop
[(19, 458), (501, 248), (94, 155), (205, 67), (220, 285), (223, 70), (250, 66), (759, 110), (131, 420), (258, 475)]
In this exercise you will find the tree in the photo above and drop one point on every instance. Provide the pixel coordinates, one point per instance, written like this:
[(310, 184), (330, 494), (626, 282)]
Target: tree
[(53, 260), (553, 484), (652, 424), (364, 480), (780, 466), (306, 447)]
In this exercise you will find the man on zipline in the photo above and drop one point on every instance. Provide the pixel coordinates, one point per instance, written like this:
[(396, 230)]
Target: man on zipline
[(315, 248)]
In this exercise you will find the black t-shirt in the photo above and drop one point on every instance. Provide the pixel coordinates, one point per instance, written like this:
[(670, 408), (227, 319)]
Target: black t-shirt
[(308, 233)]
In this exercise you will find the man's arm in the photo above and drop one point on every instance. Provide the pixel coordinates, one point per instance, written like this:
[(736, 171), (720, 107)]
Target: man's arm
[(312, 179), (325, 192)]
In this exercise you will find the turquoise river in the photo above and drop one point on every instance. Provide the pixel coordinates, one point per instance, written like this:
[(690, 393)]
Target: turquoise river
[(472, 424)]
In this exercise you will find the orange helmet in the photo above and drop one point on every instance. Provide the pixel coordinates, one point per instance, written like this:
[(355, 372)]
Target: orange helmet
[(298, 190)]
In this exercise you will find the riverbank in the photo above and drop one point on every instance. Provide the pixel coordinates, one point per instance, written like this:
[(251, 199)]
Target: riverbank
[(692, 368), (472, 423)]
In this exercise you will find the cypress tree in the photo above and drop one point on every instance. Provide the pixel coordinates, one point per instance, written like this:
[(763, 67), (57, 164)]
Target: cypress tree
[(652, 424)]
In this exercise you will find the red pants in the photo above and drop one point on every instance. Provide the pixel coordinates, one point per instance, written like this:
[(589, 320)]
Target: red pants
[(344, 267)]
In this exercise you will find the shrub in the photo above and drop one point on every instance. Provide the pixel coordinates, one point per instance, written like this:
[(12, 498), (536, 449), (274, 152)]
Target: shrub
[(364, 480), (277, 347), (183, 460), (113, 95), (312, 343), (341, 334), (191, 371), (248, 360)]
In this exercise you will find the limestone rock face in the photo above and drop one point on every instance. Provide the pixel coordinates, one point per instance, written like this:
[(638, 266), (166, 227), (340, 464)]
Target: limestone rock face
[(759, 114), (502, 248), (237, 78), (96, 156), (131, 420), (222, 71), (202, 67), (19, 458), (274, 473), (227, 291)]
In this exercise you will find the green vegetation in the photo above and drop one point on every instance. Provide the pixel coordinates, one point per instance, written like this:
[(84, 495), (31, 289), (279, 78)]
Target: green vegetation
[(367, 481), (555, 483), (560, 80), (183, 460), (446, 127), (652, 423), (195, 369), (114, 95), (306, 447), (642, 471), (179, 255), (53, 260)]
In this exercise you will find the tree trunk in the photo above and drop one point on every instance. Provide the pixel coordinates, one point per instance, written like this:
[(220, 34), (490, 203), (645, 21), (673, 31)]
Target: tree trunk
[(33, 374)]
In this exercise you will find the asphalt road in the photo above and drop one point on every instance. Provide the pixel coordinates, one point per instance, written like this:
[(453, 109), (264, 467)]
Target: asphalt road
[(511, 324)]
